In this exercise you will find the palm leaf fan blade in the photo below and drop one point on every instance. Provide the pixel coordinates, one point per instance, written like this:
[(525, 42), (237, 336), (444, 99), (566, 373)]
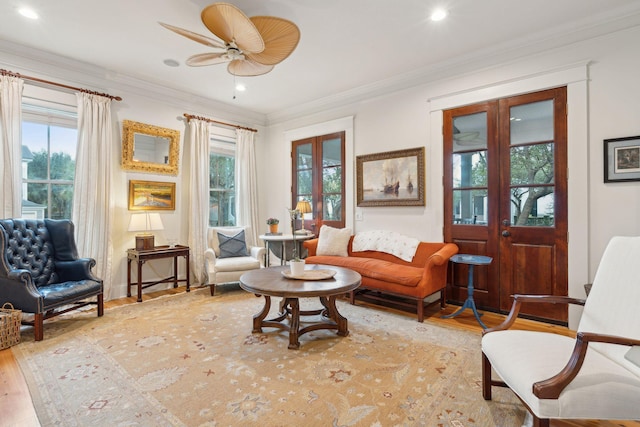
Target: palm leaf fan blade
[(280, 38), (248, 68), (203, 59), (207, 41), (230, 24)]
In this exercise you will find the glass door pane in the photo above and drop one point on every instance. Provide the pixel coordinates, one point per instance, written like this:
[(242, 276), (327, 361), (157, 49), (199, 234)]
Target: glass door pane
[(332, 179), (532, 164), (470, 169)]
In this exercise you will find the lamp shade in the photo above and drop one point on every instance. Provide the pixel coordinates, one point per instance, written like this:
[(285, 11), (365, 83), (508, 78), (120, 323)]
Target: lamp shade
[(145, 222), (303, 207)]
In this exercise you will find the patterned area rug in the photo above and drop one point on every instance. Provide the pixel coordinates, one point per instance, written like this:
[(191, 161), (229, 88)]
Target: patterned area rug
[(191, 360)]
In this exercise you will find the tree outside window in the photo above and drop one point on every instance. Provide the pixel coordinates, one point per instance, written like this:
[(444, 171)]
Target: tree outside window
[(48, 162), (222, 195)]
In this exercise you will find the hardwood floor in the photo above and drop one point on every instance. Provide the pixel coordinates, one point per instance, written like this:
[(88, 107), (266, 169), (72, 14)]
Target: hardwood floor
[(17, 409)]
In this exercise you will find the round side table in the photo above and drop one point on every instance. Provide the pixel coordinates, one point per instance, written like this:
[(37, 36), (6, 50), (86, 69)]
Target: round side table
[(471, 261)]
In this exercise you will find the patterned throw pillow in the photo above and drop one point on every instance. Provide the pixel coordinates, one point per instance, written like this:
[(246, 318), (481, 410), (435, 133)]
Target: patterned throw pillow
[(232, 246)]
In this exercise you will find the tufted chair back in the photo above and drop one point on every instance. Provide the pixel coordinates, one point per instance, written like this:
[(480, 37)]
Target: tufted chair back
[(29, 247)]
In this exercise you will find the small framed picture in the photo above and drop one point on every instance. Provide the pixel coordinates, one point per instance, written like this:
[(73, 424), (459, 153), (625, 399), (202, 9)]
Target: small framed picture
[(622, 159), (152, 196)]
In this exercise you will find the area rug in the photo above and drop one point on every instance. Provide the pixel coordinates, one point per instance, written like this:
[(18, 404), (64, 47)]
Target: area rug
[(191, 360)]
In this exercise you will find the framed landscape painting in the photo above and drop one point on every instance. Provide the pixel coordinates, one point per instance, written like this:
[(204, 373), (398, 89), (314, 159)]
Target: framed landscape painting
[(622, 159), (392, 178), (152, 195)]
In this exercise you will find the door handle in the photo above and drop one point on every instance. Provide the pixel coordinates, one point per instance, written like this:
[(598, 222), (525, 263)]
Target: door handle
[(506, 233)]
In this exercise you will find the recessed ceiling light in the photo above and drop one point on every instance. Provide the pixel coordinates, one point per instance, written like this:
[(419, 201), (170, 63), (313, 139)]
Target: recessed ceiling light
[(171, 62), (28, 13), (438, 15), (240, 87)]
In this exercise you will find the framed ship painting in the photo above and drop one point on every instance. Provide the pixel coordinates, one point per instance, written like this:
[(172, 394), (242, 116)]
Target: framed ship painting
[(393, 178)]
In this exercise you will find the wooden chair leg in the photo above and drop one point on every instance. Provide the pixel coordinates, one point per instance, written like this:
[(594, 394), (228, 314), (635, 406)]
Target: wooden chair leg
[(100, 305), (486, 378), (38, 327), (537, 422)]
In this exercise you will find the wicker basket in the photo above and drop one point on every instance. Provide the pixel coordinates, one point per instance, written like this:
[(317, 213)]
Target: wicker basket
[(9, 326)]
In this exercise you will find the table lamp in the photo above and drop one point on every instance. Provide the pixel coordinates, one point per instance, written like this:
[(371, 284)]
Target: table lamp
[(303, 207), (145, 222)]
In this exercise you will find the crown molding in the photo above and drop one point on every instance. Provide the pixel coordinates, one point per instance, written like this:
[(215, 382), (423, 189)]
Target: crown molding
[(27, 60), (483, 59)]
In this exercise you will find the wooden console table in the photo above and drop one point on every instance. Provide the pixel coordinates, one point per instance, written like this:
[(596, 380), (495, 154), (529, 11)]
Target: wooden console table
[(142, 256)]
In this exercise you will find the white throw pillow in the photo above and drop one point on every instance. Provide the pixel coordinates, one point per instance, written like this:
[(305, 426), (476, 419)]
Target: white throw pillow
[(333, 241)]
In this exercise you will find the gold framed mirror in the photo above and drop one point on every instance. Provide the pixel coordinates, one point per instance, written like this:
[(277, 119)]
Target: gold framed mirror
[(147, 148)]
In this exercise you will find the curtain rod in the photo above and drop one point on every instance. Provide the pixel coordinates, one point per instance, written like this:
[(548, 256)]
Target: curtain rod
[(35, 79), (191, 116)]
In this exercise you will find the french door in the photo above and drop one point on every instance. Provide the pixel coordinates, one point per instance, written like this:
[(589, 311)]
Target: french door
[(505, 179), (318, 177)]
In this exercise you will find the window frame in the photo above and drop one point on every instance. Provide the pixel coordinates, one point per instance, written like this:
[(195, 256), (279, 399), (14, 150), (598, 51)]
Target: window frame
[(50, 114), (223, 145)]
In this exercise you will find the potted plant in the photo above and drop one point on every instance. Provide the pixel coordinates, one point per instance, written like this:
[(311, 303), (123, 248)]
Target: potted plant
[(273, 225), (296, 263)]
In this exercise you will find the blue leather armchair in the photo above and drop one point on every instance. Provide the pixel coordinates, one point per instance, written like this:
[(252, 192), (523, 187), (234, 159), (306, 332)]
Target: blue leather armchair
[(40, 271)]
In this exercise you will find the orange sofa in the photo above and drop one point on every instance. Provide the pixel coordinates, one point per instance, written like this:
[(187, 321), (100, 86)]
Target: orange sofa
[(385, 274)]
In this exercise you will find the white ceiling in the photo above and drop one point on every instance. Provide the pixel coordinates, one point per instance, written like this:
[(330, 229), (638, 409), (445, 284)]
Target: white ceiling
[(348, 48)]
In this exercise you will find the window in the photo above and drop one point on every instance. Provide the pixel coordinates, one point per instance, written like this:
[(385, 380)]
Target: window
[(222, 189), (318, 177), (49, 140)]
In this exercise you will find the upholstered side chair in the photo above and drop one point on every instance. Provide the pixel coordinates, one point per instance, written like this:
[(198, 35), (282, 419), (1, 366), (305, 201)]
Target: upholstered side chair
[(593, 376), (41, 273), (228, 256)]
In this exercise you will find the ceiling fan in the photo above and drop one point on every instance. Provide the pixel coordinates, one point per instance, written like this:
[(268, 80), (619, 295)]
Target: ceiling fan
[(251, 46)]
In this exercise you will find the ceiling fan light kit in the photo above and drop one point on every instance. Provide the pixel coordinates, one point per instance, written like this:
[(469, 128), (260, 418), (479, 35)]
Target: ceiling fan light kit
[(250, 46)]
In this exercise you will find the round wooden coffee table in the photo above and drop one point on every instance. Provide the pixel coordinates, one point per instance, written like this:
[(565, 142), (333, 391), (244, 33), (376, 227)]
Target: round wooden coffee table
[(270, 282)]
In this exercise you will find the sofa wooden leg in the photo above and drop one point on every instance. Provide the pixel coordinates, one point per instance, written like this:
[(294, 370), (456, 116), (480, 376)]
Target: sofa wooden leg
[(352, 297), (212, 287), (486, 378), (420, 310), (38, 326), (100, 305)]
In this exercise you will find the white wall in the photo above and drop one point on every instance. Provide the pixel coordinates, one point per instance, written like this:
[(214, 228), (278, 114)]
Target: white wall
[(604, 104)]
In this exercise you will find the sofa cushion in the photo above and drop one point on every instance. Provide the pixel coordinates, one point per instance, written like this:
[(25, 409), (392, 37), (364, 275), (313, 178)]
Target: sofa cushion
[(232, 246), (58, 293), (240, 263), (602, 387), (333, 241), (374, 268)]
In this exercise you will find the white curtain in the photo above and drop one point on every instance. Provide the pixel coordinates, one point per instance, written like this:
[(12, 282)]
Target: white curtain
[(11, 153), (92, 202), (246, 183), (199, 196)]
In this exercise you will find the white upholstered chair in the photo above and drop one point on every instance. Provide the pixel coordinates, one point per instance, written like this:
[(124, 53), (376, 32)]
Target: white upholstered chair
[(226, 261), (587, 377)]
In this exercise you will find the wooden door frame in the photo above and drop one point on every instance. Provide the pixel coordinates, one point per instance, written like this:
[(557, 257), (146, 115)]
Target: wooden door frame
[(485, 239), (583, 252), (316, 179)]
